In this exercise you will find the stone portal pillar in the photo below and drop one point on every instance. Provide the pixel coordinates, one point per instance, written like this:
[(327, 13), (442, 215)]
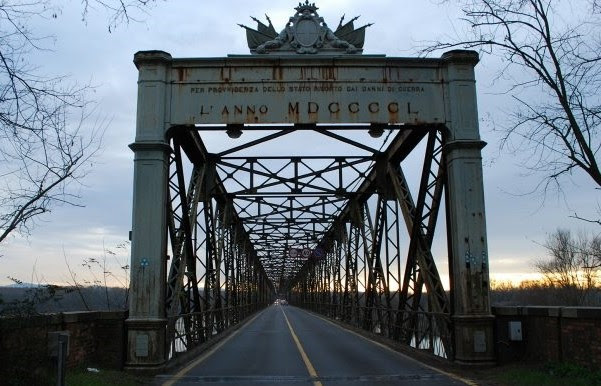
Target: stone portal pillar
[(146, 336), (466, 225)]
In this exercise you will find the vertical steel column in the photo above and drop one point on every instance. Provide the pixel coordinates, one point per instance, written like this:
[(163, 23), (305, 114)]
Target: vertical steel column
[(338, 267), (231, 289), (351, 288), (241, 268), (182, 295), (392, 250), (223, 244), (421, 270), (146, 335), (473, 322), (376, 283), (182, 218)]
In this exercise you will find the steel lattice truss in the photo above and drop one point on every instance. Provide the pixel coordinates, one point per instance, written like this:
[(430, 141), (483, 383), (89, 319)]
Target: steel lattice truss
[(235, 216)]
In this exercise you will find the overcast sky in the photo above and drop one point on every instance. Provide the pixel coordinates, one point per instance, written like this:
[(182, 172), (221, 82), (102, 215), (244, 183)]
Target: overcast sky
[(517, 222)]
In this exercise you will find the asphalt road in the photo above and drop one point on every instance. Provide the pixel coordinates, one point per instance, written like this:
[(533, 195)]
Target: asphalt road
[(284, 345)]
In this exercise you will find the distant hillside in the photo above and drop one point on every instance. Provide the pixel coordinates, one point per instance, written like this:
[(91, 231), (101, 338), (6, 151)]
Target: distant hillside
[(20, 299), (21, 285)]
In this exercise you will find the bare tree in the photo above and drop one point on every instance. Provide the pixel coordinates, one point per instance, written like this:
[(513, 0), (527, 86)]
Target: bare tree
[(40, 153), (46, 138), (120, 11), (109, 273), (595, 251), (573, 266), (554, 47)]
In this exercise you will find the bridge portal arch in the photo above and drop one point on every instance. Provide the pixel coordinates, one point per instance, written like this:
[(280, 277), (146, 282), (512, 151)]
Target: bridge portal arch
[(217, 234)]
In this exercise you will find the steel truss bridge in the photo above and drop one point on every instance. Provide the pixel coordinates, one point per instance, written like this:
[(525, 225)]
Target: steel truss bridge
[(233, 219), (337, 218)]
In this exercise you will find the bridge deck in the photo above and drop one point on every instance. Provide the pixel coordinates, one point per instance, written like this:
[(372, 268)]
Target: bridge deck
[(286, 345)]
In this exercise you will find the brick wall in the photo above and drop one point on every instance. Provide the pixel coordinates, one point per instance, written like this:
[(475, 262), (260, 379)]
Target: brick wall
[(97, 339), (550, 334)]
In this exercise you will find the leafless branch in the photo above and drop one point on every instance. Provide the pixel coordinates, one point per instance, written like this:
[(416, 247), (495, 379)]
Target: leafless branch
[(598, 222), (573, 265), (120, 11), (558, 115), (46, 141), (75, 283)]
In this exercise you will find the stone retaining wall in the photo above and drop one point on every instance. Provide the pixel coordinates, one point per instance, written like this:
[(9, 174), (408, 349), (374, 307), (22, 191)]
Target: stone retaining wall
[(97, 339), (550, 334)]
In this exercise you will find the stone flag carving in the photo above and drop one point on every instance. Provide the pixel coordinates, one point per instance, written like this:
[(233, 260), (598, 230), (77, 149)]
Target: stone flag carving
[(306, 33)]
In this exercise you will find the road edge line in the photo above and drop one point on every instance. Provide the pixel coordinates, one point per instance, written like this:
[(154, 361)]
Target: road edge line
[(180, 374), (451, 375)]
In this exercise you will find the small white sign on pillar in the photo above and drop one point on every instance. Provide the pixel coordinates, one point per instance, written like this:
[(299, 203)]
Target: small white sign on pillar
[(479, 341), (142, 345), (515, 331)]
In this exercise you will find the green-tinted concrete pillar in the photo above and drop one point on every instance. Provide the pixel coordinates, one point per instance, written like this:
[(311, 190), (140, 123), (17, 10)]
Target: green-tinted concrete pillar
[(468, 254), (146, 343)]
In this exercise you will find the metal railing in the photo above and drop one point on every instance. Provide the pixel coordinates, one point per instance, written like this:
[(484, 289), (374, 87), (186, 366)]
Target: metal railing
[(187, 331), (424, 331)]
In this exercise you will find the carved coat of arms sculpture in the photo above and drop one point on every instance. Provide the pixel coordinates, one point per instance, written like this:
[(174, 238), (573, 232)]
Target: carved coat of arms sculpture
[(306, 33)]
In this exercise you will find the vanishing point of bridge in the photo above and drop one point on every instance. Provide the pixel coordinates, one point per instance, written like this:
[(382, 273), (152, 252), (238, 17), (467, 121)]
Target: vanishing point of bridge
[(316, 174)]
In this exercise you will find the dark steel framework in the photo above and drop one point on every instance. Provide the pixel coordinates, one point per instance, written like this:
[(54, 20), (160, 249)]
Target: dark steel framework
[(233, 220)]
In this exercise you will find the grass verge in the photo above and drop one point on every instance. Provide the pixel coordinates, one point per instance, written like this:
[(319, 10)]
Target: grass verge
[(83, 377), (552, 374)]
